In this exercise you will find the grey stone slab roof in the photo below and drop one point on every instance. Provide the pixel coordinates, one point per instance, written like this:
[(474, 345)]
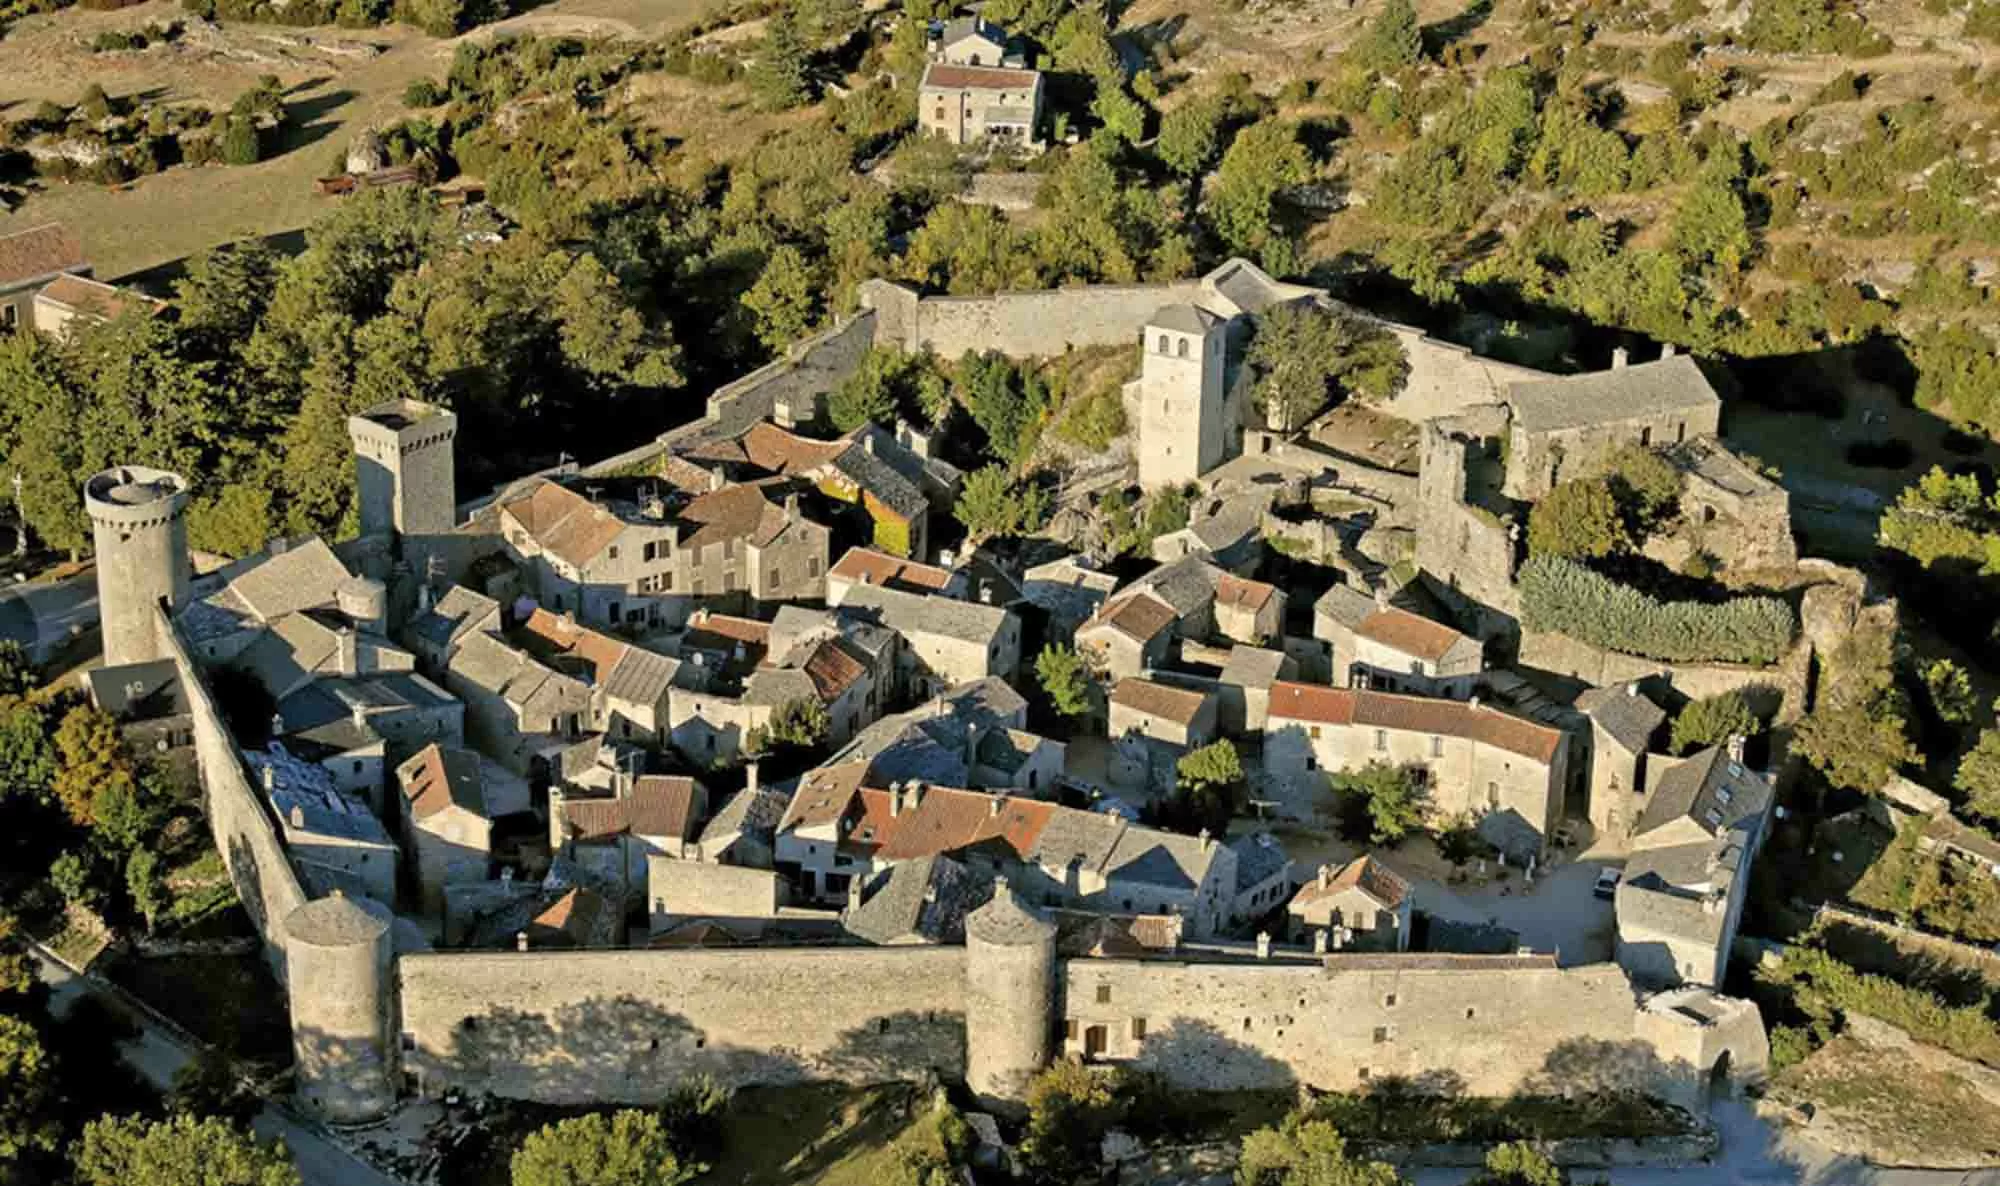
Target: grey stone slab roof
[(1347, 605), (1253, 667), (1708, 788), (290, 650), (909, 613), (1007, 749), (1186, 585), (138, 691), (214, 616), (302, 576), (1646, 899), (459, 611), (1627, 714), (775, 687), (1087, 838), (641, 676), (1186, 319), (873, 473), (1605, 397), (926, 900), (1155, 857), (1234, 521), (1259, 857), (748, 813), (1006, 920)]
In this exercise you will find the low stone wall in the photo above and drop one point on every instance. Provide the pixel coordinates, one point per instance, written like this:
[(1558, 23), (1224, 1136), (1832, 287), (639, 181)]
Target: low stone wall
[(245, 832), (1971, 954), (1779, 689), (1575, 1152)]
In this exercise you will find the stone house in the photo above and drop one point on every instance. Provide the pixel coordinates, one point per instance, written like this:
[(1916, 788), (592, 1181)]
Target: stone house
[(1507, 771), (1362, 906), (946, 741), (649, 560), (1016, 760), (837, 828), (1129, 634), (335, 838), (73, 300), (356, 728), (1069, 590), (31, 260), (868, 566), (631, 687), (148, 702), (946, 642), (1624, 723), (743, 829), (1248, 611), (1181, 718), (610, 838), (920, 901), (1263, 877), (581, 918), (970, 104), (435, 632), (519, 711), (1731, 510), (1382, 646), (444, 822), (733, 895), (894, 479), (1243, 690), (1137, 627), (1688, 877), (972, 41), (1566, 427)]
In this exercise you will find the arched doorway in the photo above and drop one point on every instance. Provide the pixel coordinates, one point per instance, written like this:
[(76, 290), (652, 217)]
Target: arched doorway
[(1718, 1078)]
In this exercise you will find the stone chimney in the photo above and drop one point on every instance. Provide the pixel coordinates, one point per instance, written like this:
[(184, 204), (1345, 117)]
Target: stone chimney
[(1263, 945), (1473, 703), (1382, 596), (520, 941), (915, 790), (1319, 941), (868, 442), (895, 799), (715, 480), (1325, 876), (1207, 840), (1734, 747), (1618, 358), (750, 785), (359, 715), (347, 651), (298, 816), (997, 804), (270, 777), (1632, 689), (1666, 349), (854, 892)]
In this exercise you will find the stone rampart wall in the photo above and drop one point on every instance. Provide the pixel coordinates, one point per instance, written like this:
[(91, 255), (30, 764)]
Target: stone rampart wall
[(1778, 689), (1034, 324), (245, 832), (626, 1026), (1483, 1025)]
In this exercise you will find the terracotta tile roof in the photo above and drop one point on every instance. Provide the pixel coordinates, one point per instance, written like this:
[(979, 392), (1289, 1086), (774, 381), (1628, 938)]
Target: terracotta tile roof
[(435, 778), (769, 447), (870, 567), (95, 298), (564, 636), (945, 76), (1235, 591), (569, 922), (1412, 634), (721, 632), (832, 669), (733, 512), (946, 820), (1140, 616), (564, 522), (1415, 714), (37, 252), (823, 795), (659, 805), (1159, 700), (1364, 873), (695, 934)]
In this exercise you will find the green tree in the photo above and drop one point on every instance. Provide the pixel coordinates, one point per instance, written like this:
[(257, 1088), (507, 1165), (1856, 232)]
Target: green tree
[(30, 1115), (1394, 38), (1646, 486), (1189, 136), (990, 503), (1710, 229), (1263, 161), (1064, 678), (800, 724), (1305, 355), (180, 1151), (1301, 1152), (1070, 1108), (1950, 691), (1713, 720), (90, 759), (1383, 799), (784, 302), (1978, 777), (1210, 786), (70, 877), (1857, 734), (144, 886), (778, 77), (628, 1148), (1517, 1163), (18, 675), (242, 143), (1578, 519)]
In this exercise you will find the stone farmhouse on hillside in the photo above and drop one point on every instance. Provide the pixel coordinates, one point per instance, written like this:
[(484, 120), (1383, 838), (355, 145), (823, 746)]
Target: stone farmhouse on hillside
[(1473, 759), (969, 104)]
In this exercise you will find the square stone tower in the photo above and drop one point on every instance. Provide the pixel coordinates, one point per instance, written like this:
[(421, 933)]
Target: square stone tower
[(1183, 430), (403, 468)]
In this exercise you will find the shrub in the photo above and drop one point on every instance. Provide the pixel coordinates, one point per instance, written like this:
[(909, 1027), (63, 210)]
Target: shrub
[(1713, 720), (421, 93), (1564, 596)]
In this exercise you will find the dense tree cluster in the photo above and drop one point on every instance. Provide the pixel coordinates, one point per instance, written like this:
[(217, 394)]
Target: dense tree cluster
[(1561, 595)]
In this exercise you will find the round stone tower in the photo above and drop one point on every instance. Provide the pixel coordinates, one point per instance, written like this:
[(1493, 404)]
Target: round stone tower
[(1010, 994), (337, 968), (139, 528)]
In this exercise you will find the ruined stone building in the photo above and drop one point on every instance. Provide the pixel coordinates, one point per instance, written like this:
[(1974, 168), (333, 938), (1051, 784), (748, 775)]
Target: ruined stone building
[(1568, 426), (1507, 771)]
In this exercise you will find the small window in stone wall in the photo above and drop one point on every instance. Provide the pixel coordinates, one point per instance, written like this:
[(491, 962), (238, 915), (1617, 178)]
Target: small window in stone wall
[(1383, 1034), (1104, 994), (1389, 1001), (1069, 1029), (1138, 1029)]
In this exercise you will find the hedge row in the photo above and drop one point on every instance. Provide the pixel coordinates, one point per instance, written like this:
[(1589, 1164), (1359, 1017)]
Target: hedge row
[(1563, 596)]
